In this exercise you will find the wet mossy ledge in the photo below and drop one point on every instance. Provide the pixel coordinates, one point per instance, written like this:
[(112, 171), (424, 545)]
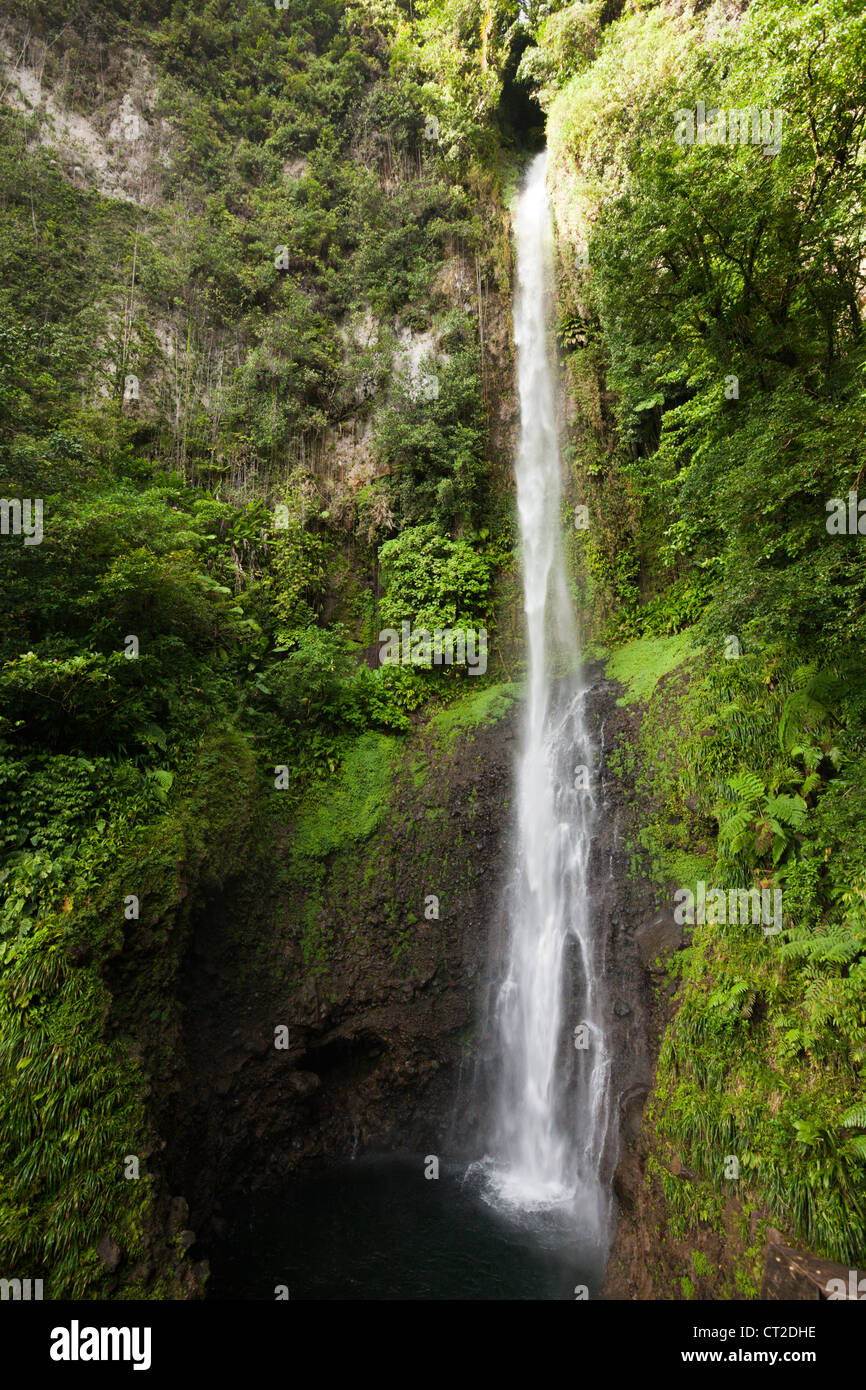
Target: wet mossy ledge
[(339, 813)]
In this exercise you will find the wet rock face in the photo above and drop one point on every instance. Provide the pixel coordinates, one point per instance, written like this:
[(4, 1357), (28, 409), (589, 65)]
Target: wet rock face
[(283, 1061), (625, 912), (285, 1057), (797, 1275), (658, 939)]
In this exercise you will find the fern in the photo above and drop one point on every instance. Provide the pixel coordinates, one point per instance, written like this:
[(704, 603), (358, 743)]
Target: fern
[(814, 706), (748, 786), (789, 810), (733, 829)]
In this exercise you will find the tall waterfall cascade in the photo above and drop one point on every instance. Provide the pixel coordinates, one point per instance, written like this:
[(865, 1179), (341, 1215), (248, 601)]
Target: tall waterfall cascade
[(552, 1096)]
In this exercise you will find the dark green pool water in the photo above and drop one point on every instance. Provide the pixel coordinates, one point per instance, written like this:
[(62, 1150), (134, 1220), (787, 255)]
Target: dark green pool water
[(376, 1228)]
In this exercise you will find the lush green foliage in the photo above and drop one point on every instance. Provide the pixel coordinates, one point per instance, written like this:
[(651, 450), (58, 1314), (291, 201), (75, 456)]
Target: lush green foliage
[(203, 608), (721, 299), (433, 581)]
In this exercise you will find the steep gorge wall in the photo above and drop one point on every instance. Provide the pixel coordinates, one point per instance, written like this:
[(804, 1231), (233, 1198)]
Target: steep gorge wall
[(254, 919), (714, 1187), (143, 233), (330, 934), (330, 940)]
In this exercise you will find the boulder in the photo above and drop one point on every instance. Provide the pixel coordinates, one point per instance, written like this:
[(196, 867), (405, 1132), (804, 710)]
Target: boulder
[(658, 939), (109, 1252), (178, 1215)]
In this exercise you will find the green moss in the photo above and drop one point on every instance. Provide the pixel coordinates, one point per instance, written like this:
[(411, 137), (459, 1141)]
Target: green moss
[(346, 808), (701, 1265), (486, 706), (640, 665), (683, 868)]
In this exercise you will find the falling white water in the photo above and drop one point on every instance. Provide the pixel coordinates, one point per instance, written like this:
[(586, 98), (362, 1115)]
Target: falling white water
[(552, 1106)]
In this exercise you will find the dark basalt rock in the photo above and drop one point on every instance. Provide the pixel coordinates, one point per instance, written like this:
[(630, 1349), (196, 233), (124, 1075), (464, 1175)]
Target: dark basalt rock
[(658, 939), (110, 1252), (382, 1042), (795, 1274)]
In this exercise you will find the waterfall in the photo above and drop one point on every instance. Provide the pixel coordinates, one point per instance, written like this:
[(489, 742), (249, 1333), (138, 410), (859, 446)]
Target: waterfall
[(552, 1094)]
